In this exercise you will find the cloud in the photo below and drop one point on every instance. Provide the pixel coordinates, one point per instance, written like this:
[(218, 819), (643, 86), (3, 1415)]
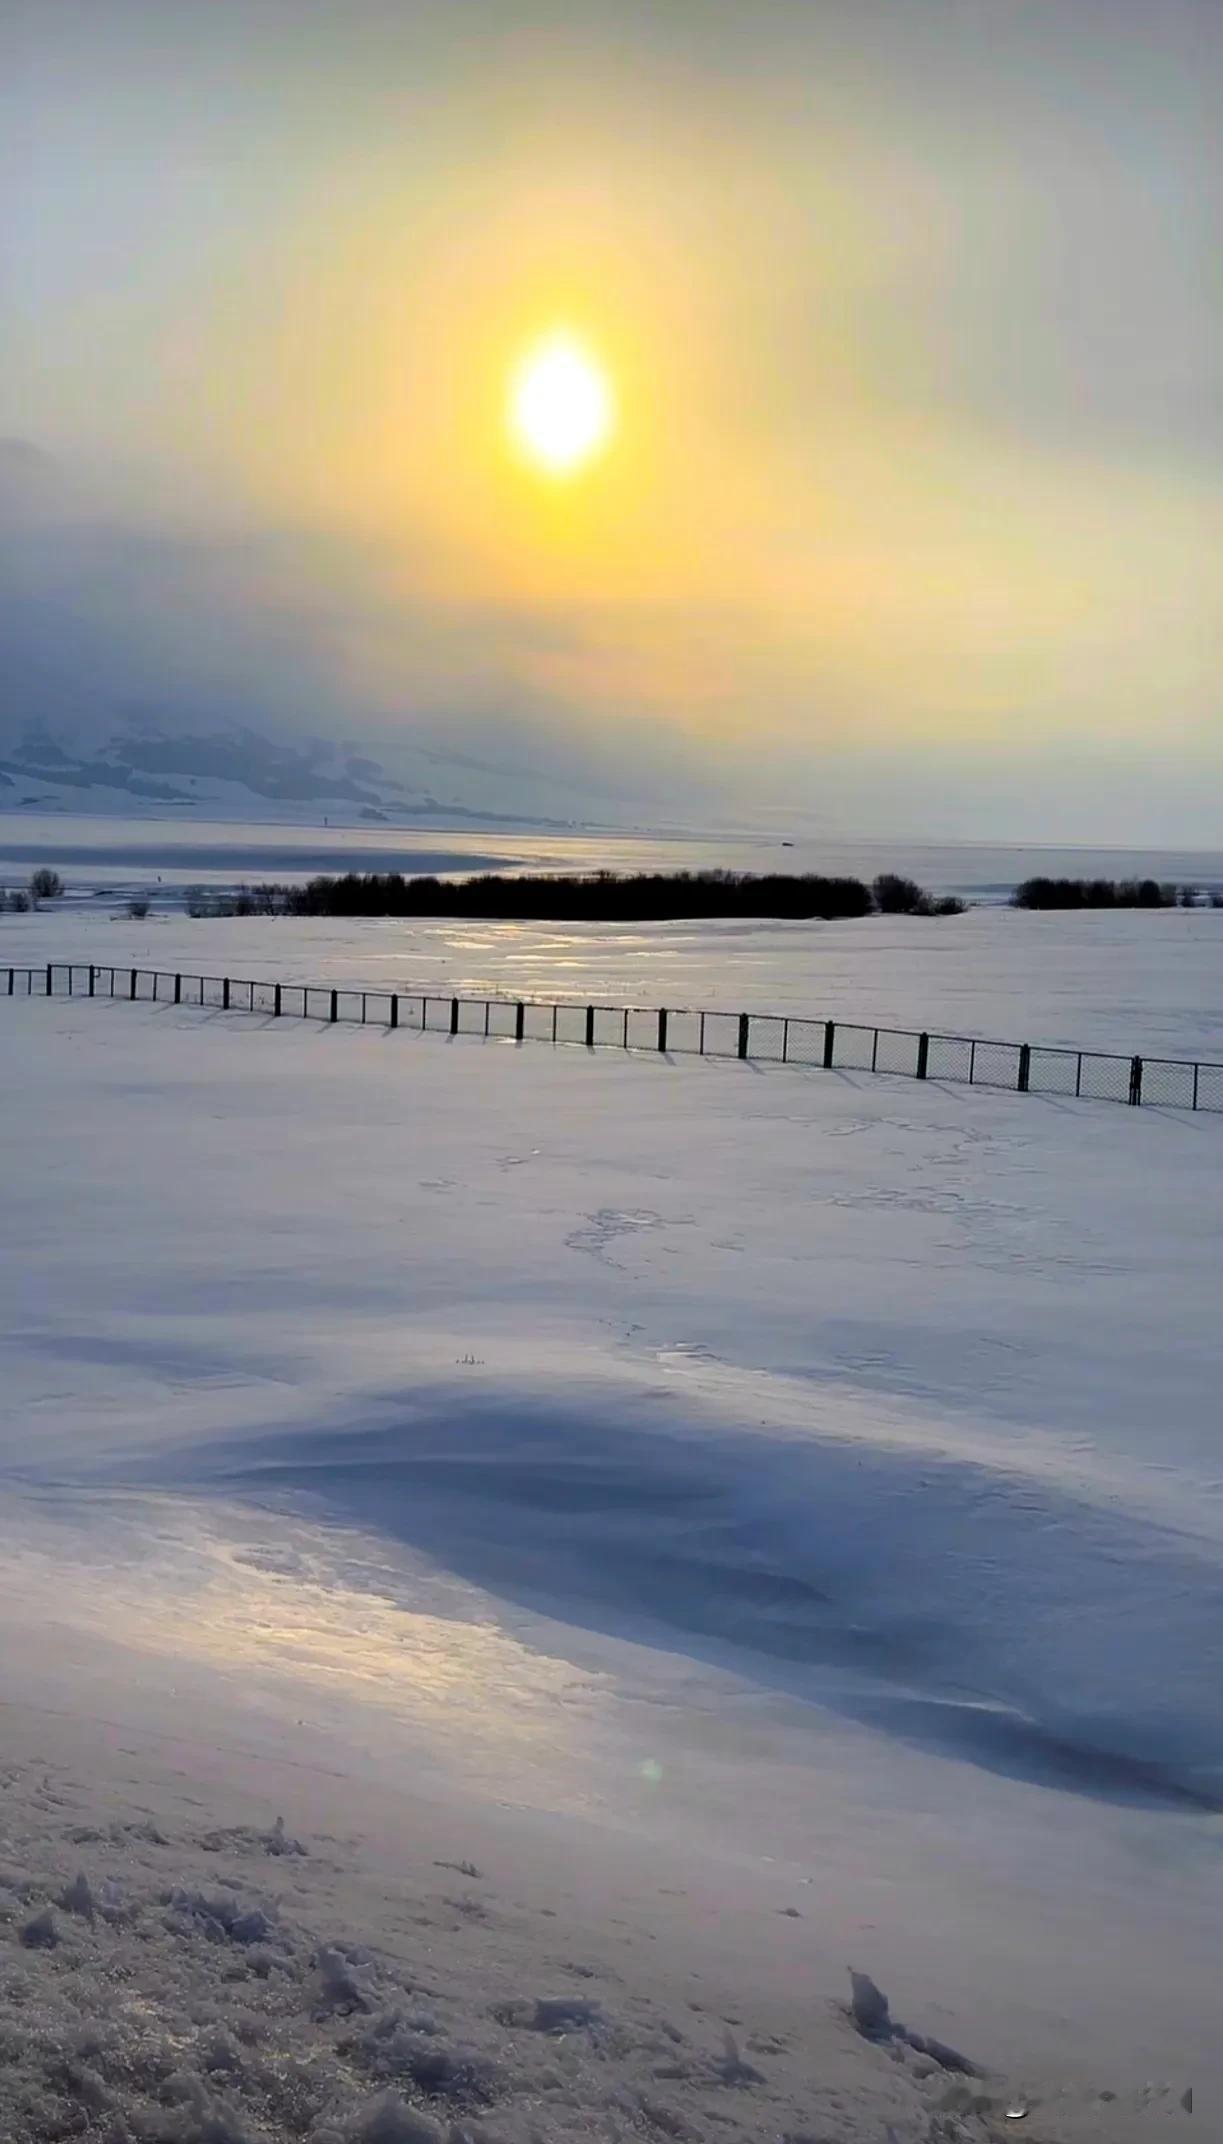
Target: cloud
[(913, 320), (107, 623)]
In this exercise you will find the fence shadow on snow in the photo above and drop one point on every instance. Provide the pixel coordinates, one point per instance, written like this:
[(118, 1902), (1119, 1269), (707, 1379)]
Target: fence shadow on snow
[(774, 1038)]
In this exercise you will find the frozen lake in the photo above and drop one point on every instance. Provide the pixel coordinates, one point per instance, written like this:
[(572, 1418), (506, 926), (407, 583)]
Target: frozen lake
[(112, 854)]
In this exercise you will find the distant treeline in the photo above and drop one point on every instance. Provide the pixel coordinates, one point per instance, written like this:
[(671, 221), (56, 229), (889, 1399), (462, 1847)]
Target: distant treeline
[(1110, 893), (600, 897)]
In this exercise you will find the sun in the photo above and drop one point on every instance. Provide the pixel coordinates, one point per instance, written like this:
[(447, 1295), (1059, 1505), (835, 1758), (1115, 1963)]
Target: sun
[(561, 408)]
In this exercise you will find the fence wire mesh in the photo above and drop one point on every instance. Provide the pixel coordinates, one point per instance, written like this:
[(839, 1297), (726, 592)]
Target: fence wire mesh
[(1096, 1075), (570, 1023), (540, 1023), (1105, 1079), (683, 1032), (896, 1052), (853, 1047), (607, 1029), (1208, 1087), (643, 1030), (950, 1058), (502, 1018), (805, 1042), (766, 1037), (1166, 1081), (996, 1064), (721, 1034), (1053, 1071)]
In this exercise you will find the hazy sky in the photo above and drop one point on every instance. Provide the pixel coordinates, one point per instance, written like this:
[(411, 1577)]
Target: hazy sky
[(911, 308)]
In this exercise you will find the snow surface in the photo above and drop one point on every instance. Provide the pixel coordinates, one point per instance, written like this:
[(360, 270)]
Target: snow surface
[(799, 1493), (1150, 982), (217, 1979)]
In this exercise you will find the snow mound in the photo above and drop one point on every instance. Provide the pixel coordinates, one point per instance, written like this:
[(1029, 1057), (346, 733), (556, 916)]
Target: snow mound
[(146, 1998)]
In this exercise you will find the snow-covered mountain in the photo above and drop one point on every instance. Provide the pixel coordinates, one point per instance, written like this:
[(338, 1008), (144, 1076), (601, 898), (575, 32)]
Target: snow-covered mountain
[(236, 772), (155, 665)]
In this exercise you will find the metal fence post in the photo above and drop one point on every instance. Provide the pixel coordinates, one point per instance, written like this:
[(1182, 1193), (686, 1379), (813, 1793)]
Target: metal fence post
[(101, 980), (11, 973)]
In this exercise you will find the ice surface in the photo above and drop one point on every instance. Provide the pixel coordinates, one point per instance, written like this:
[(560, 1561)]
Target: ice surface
[(110, 848)]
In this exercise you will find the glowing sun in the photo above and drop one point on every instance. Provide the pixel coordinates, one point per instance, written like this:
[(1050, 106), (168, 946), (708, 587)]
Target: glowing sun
[(561, 409)]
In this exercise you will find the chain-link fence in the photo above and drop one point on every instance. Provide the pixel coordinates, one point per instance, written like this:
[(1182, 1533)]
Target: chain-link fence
[(837, 1046)]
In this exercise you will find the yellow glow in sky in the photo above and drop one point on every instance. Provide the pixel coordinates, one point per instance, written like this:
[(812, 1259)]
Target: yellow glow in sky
[(540, 414), (561, 412)]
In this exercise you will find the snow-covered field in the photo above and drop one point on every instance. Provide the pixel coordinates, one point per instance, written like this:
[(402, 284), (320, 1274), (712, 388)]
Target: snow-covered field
[(1145, 981), (765, 1521)]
